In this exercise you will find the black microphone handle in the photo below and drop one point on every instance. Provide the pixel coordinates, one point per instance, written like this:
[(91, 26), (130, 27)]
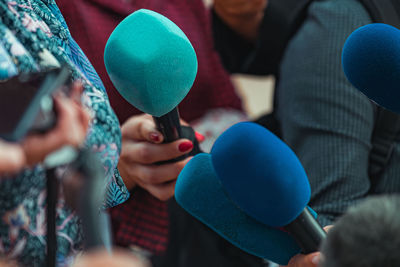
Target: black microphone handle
[(91, 197), (169, 125), (307, 232)]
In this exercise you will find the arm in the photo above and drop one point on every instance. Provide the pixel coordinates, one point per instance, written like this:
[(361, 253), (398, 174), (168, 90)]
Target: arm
[(324, 119)]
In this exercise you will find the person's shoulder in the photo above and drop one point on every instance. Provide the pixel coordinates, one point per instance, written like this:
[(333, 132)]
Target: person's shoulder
[(345, 11)]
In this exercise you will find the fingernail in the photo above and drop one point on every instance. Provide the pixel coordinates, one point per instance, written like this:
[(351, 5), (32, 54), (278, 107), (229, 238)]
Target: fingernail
[(315, 259), (199, 136), (185, 146), (155, 137)]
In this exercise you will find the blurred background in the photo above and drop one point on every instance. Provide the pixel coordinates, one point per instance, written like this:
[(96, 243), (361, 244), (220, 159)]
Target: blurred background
[(256, 92)]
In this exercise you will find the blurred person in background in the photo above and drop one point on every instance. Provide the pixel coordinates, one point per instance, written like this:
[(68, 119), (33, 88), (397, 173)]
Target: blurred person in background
[(328, 123)]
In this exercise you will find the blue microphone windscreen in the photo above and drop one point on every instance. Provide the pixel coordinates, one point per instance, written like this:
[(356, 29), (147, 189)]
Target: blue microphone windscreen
[(200, 193), (371, 62), (151, 62), (261, 174)]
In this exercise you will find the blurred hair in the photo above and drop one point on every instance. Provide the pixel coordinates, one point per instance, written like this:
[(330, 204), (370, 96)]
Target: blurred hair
[(368, 235)]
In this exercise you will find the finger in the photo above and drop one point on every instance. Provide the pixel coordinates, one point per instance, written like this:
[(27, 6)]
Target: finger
[(148, 153), (12, 158), (76, 91), (301, 260), (69, 128), (141, 128), (36, 147), (328, 228), (83, 118), (157, 174), (200, 138), (183, 122)]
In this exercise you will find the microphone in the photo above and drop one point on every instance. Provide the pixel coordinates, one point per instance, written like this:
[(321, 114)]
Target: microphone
[(264, 178), (199, 191), (371, 62), (84, 191), (153, 65)]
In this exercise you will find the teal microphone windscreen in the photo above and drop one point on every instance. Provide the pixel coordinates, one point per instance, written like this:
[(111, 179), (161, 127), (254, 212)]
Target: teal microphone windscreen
[(199, 191), (261, 174), (151, 62), (371, 62)]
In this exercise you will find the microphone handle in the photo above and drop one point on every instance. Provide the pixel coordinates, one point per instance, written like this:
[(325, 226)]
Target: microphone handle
[(307, 232), (89, 200), (169, 125)]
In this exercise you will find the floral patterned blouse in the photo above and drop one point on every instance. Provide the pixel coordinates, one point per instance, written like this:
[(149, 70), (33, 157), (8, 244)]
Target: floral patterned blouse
[(33, 37)]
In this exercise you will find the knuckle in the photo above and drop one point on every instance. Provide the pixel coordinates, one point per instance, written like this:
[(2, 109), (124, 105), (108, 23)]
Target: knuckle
[(165, 195), (149, 177), (145, 155)]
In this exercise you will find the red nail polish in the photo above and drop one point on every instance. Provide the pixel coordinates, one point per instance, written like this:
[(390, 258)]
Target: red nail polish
[(154, 137), (185, 146), (199, 136)]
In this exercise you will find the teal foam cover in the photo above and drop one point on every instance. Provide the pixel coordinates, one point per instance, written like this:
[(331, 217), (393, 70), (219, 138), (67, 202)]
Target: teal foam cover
[(151, 62), (199, 191)]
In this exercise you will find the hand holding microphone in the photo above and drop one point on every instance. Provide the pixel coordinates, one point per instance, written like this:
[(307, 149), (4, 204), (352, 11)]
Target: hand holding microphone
[(142, 148), (153, 66), (70, 129), (248, 190)]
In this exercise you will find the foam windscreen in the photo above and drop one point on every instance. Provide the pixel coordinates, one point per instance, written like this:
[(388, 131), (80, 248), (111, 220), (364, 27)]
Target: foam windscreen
[(261, 174), (199, 191), (371, 62), (151, 62)]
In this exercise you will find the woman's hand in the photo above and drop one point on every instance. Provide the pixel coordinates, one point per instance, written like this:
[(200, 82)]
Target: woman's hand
[(71, 128), (12, 157), (142, 147), (309, 260), (243, 16)]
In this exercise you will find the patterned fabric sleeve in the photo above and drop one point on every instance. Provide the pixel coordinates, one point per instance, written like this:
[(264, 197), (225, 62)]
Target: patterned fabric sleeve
[(105, 125), (33, 37)]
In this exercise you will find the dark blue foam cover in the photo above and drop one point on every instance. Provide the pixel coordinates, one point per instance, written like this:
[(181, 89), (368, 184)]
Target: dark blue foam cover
[(200, 193), (371, 62), (261, 174), (151, 62)]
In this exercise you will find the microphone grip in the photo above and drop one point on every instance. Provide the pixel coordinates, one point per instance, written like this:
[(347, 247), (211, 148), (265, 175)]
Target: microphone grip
[(90, 198), (307, 232), (169, 125)]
